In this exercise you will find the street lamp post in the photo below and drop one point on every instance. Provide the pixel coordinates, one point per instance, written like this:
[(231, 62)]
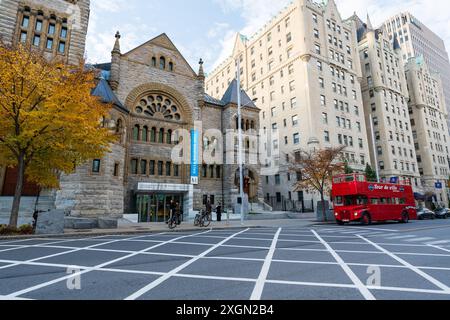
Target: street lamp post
[(241, 167)]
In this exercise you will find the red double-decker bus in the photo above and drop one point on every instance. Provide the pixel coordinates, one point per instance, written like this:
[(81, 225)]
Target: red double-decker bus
[(356, 199)]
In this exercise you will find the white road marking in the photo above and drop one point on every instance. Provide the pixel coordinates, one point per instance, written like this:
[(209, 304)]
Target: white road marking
[(400, 237), (361, 287), (410, 266), (420, 239), (259, 286), (438, 242), (48, 283), (398, 289), (439, 248), (168, 275)]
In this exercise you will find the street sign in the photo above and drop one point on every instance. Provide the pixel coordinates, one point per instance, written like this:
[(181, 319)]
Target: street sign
[(194, 157), (394, 180), (438, 185)]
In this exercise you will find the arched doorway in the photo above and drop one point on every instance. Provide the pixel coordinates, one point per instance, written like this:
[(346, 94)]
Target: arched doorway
[(250, 183)]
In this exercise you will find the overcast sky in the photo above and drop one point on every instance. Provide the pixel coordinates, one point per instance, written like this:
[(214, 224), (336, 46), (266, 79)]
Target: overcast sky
[(206, 28)]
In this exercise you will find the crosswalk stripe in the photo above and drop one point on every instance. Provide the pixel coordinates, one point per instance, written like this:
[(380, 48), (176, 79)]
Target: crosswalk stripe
[(439, 242), (400, 237), (420, 239)]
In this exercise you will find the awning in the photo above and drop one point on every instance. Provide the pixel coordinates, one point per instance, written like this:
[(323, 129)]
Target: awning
[(419, 196)]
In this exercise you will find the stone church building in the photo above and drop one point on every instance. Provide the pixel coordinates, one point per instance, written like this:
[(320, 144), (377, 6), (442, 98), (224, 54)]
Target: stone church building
[(159, 104)]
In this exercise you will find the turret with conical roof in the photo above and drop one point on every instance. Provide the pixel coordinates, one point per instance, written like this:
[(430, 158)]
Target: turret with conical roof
[(115, 63)]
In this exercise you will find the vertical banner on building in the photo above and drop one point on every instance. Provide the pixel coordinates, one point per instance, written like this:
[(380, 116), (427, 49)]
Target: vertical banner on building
[(194, 156)]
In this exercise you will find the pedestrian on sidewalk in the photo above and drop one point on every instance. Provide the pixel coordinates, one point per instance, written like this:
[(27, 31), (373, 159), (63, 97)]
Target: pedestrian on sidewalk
[(219, 212)]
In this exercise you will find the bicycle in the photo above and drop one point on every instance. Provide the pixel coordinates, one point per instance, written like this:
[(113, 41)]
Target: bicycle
[(203, 220), (174, 221)]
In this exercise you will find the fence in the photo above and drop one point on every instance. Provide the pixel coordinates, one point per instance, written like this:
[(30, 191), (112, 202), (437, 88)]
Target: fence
[(283, 204)]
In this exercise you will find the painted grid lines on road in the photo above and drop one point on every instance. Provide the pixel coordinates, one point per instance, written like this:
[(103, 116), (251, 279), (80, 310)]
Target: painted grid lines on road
[(168, 275), (361, 287), (97, 267), (434, 281)]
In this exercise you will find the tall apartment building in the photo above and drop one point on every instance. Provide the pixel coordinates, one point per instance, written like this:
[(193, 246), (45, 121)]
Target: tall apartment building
[(415, 40), (57, 27), (429, 128), (303, 67), (385, 95)]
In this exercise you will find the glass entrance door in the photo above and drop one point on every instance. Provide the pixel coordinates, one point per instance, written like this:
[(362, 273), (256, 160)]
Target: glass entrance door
[(156, 207)]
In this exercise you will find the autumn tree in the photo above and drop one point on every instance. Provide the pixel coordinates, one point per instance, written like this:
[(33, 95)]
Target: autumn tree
[(317, 168), (49, 122)]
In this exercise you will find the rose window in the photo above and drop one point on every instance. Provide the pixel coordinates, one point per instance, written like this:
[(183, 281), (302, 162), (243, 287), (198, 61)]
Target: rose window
[(159, 107)]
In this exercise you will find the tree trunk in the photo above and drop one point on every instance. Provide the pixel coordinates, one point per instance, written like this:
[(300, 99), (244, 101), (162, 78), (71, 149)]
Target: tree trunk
[(18, 192), (324, 211)]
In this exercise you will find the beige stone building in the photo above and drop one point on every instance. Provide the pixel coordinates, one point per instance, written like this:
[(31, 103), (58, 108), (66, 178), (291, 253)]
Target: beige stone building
[(429, 116), (385, 95), (416, 39), (303, 67)]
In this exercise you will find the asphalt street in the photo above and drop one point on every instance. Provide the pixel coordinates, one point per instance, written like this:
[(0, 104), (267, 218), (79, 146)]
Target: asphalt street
[(286, 262)]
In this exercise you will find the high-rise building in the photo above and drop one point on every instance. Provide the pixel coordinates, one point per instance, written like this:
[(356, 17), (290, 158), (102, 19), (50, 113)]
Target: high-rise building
[(416, 39), (303, 67), (385, 95), (428, 115), (56, 27)]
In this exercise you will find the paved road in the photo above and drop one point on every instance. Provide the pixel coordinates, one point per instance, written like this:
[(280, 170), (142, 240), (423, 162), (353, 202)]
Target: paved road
[(388, 261)]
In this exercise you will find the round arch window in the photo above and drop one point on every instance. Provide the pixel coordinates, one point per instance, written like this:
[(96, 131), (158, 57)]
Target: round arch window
[(158, 106)]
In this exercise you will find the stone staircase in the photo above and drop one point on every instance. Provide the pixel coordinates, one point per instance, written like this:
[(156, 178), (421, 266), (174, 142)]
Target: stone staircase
[(27, 205), (260, 207)]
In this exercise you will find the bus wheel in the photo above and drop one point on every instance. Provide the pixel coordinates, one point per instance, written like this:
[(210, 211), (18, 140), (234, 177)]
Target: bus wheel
[(405, 217), (340, 222), (366, 220)]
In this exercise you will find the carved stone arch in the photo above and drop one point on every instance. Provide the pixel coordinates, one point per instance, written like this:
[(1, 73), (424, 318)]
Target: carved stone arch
[(136, 93)]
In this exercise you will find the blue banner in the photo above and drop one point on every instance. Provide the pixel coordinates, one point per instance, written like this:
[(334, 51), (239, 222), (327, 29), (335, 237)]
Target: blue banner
[(194, 156), (394, 180)]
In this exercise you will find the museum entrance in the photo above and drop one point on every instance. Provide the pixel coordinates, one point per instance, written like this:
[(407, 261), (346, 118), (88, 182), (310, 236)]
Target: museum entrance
[(155, 207)]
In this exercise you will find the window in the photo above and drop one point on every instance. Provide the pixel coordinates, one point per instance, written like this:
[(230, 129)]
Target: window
[(143, 167), (38, 26), (293, 103), (176, 170), (325, 118), (316, 33), (36, 40), (51, 29), (317, 48), (25, 22), (116, 169), (160, 168), (323, 100), (327, 136), (63, 34), (295, 121), (288, 37), (168, 169), (62, 47), (152, 167), (49, 44), (134, 165), (296, 138), (162, 63), (96, 166), (23, 37)]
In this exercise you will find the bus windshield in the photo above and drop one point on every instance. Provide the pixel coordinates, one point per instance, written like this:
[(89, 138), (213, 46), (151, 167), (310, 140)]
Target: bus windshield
[(351, 201)]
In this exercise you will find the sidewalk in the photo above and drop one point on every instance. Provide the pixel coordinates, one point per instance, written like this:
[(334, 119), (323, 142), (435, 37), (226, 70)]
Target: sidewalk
[(142, 228)]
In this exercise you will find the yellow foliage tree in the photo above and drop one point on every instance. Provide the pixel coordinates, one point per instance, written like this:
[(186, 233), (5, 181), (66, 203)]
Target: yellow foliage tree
[(49, 121)]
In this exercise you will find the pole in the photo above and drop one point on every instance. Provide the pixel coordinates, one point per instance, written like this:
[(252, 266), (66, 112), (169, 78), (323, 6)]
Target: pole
[(241, 169), (374, 148)]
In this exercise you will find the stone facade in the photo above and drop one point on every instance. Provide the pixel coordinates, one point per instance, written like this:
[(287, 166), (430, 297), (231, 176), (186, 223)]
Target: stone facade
[(429, 116), (303, 67), (56, 27), (157, 95), (385, 94)]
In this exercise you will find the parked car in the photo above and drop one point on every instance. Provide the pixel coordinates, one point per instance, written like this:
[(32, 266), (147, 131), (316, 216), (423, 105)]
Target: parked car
[(424, 213), (442, 213)]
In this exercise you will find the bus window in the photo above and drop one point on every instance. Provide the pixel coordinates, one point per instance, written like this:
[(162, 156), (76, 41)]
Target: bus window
[(361, 200), (349, 179), (383, 201), (397, 201), (337, 180), (402, 201), (374, 201), (338, 201), (349, 201), (360, 178), (389, 201)]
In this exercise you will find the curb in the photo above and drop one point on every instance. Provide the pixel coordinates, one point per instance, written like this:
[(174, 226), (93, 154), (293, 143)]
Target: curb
[(116, 233)]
